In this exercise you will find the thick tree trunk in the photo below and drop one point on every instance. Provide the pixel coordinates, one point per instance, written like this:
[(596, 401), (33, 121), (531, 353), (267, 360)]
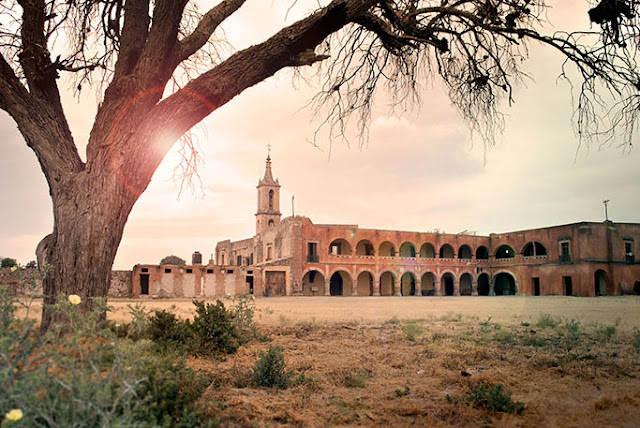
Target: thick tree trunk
[(89, 218)]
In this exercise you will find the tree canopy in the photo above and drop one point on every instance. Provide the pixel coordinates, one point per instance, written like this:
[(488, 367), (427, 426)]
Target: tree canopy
[(158, 69)]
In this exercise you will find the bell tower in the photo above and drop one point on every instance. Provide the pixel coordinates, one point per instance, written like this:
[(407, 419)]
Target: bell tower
[(268, 215)]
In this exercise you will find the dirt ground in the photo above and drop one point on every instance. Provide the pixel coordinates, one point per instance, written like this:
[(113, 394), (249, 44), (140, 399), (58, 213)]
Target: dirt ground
[(404, 361), (273, 311)]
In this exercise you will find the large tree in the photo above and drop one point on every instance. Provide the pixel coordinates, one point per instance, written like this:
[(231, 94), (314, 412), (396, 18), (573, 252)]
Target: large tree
[(148, 56)]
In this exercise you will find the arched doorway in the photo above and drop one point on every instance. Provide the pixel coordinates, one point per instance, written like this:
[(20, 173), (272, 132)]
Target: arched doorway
[(340, 284), (408, 284), (465, 284), (600, 282), (428, 284), (365, 284), (464, 252), (313, 284), (505, 252), (482, 253), (447, 284), (340, 247), (387, 284), (483, 284), (636, 288), (364, 248), (505, 285), (386, 249), (446, 252), (427, 251), (407, 249)]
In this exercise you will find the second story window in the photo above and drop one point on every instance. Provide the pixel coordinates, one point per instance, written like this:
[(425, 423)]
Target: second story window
[(628, 251), (565, 252), (312, 252)]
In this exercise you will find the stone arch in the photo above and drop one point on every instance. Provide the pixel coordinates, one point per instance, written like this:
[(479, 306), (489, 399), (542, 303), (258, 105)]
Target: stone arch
[(504, 284), (364, 248), (505, 252), (446, 251), (387, 283), (271, 223), (447, 281), (313, 283), (464, 252), (428, 284), (364, 283), (387, 249), (466, 281), (407, 249), (427, 251), (340, 247), (482, 253), (484, 286), (533, 249), (601, 283), (340, 283), (408, 284)]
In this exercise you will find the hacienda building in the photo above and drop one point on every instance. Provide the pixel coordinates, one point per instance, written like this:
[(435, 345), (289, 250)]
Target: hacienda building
[(294, 257)]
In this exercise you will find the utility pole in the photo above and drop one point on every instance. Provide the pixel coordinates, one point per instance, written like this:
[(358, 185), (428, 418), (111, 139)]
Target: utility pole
[(606, 211)]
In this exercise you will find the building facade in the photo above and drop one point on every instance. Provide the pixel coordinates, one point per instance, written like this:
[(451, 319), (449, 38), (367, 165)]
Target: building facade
[(294, 256)]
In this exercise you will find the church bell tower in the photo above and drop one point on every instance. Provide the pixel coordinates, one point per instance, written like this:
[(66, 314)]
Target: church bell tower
[(268, 215)]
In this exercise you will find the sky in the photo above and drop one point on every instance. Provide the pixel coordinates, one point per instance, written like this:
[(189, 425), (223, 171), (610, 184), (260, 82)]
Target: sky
[(420, 170)]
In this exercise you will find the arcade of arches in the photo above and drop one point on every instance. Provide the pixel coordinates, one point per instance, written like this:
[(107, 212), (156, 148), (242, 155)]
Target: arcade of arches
[(389, 283)]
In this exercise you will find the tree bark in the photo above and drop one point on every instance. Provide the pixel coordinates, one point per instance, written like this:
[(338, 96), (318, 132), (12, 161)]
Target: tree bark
[(89, 218)]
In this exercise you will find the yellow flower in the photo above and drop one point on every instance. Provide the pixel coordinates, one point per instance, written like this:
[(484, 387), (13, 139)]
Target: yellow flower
[(14, 415), (74, 299), (14, 268)]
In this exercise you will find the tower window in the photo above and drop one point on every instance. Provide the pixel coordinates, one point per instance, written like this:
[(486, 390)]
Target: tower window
[(271, 223), (271, 199)]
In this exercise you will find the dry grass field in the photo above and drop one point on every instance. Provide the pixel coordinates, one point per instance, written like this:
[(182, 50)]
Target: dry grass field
[(393, 361), (412, 361)]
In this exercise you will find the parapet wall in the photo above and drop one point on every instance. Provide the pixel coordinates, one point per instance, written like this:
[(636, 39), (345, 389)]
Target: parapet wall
[(29, 281)]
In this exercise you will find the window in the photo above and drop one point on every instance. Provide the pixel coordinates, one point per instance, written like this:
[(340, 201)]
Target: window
[(271, 199), (312, 252), (229, 270), (209, 270), (189, 270), (239, 260), (145, 269), (167, 270), (565, 252), (269, 252), (271, 223), (628, 251)]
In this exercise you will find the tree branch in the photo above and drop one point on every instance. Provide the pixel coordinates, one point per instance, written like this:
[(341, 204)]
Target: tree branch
[(206, 27), (134, 35)]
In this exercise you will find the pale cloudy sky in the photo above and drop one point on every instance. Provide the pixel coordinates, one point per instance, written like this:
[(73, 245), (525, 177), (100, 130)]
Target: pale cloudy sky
[(419, 171)]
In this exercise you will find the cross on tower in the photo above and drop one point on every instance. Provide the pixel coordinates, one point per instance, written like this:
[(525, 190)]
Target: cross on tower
[(269, 150)]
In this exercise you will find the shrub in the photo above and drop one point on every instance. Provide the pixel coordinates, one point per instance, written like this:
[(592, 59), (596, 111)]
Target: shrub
[(215, 329), (355, 378), (169, 332), (270, 369), (89, 377), (636, 339), (491, 398), (411, 330), (547, 321)]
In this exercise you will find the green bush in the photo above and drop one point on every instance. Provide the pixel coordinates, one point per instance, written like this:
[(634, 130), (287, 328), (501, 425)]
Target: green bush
[(270, 369), (169, 332), (215, 329), (547, 321), (412, 331), (88, 376), (491, 398)]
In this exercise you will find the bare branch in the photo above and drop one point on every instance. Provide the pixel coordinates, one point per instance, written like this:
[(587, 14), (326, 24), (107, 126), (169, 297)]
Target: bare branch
[(207, 25)]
